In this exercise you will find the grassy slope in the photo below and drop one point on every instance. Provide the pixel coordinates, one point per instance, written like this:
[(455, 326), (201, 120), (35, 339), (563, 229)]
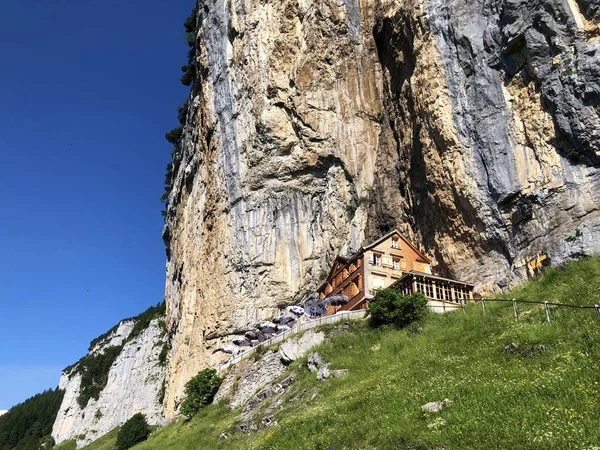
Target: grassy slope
[(502, 399), (106, 442)]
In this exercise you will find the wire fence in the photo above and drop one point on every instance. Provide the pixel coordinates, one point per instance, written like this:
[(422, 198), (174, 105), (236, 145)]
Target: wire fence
[(546, 304), (439, 306)]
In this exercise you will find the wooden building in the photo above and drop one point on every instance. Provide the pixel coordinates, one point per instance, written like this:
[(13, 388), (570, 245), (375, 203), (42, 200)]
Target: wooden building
[(390, 260), (442, 293)]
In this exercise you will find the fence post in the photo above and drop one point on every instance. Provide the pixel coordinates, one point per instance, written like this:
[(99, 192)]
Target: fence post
[(483, 304), (515, 308), (547, 312), (597, 308)]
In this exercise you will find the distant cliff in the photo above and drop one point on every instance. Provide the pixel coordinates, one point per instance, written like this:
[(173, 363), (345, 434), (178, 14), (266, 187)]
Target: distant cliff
[(471, 125), (122, 374)]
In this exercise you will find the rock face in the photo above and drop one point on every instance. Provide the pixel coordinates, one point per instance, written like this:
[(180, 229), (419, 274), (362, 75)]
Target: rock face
[(246, 377), (471, 125), (134, 383)]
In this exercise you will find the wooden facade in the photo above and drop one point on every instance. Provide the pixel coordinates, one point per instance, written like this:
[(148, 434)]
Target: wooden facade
[(391, 261), (374, 266), (436, 289)]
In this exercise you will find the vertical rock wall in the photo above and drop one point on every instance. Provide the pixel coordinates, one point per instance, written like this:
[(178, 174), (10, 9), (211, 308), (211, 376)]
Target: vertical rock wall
[(277, 165), (314, 125), (134, 384)]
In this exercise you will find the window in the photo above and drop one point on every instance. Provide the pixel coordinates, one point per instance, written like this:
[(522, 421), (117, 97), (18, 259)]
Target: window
[(394, 242), (396, 264), (377, 259), (378, 282)]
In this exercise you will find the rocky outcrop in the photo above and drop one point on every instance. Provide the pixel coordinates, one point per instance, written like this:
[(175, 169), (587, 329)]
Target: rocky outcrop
[(252, 374), (472, 126), (248, 376), (135, 381), (295, 348)]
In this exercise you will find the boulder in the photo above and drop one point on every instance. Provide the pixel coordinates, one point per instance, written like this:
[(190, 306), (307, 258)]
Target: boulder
[(323, 373), (247, 427), (294, 348), (434, 407), (268, 421), (339, 373), (315, 362)]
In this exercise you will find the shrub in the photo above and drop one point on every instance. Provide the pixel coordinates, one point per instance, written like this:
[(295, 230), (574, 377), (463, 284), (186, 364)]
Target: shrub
[(164, 352), (174, 135), (200, 391), (189, 72), (134, 431), (390, 308)]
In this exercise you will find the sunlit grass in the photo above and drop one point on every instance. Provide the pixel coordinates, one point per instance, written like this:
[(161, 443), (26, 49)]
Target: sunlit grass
[(514, 383)]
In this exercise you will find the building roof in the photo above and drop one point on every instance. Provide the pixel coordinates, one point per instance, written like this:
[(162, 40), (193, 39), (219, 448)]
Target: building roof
[(432, 277), (364, 248), (390, 234)]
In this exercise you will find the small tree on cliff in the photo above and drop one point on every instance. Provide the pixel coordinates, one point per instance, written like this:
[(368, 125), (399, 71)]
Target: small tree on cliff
[(134, 431), (200, 391)]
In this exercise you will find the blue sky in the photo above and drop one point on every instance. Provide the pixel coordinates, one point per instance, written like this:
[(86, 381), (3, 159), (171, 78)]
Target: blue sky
[(88, 89)]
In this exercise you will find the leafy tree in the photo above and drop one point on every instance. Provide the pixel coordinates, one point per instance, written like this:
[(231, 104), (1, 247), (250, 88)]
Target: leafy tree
[(134, 431), (200, 391), (390, 308)]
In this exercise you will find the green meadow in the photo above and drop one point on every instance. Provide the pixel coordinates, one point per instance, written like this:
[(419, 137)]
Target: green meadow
[(520, 384)]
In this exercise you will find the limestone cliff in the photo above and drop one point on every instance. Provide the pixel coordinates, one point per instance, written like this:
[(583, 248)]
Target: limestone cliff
[(472, 125), (134, 384)]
